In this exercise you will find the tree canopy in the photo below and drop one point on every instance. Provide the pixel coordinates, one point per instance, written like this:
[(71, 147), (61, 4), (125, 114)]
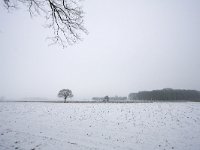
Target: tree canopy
[(65, 93)]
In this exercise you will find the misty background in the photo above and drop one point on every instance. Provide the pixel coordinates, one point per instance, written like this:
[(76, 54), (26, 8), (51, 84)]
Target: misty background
[(131, 46)]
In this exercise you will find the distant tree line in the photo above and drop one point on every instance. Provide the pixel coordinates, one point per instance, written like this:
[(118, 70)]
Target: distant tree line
[(167, 94), (106, 98)]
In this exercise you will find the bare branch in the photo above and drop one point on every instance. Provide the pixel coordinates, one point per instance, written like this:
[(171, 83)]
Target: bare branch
[(64, 17)]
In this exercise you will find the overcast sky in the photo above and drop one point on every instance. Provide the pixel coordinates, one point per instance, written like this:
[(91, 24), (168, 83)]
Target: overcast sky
[(132, 46)]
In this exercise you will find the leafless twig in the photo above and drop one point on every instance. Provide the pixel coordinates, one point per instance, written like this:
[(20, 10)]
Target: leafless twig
[(65, 17)]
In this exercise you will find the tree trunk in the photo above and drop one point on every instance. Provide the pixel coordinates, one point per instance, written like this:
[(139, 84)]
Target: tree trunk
[(65, 99)]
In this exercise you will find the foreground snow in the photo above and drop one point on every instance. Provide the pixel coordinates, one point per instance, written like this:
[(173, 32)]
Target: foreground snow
[(52, 126)]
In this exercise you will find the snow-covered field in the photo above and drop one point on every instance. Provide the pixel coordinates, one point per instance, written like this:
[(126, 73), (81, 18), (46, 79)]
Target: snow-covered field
[(137, 126)]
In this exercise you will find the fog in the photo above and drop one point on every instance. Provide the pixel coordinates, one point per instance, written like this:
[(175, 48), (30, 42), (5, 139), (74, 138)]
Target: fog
[(131, 46)]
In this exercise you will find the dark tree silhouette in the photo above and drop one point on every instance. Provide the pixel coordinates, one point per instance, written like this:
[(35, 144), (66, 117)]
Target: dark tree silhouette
[(64, 17), (65, 93), (106, 98), (167, 94)]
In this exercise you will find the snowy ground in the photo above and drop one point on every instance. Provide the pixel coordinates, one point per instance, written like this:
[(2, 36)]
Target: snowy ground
[(139, 126)]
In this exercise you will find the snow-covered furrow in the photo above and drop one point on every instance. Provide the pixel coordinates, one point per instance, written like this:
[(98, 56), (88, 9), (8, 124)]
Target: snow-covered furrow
[(100, 126)]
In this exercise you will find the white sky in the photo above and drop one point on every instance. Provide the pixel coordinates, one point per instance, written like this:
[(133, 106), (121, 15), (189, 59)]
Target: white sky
[(132, 46)]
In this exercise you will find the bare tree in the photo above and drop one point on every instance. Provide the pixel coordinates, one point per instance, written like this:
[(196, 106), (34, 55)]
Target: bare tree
[(64, 17), (65, 93)]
